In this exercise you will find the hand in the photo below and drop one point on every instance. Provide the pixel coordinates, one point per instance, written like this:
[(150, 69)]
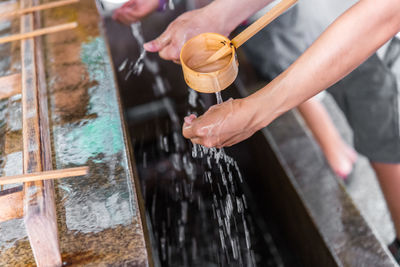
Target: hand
[(220, 16), (186, 26), (222, 125), (134, 10)]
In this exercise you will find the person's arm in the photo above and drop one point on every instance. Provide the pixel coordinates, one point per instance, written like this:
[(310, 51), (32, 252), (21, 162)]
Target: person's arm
[(350, 40), (220, 16)]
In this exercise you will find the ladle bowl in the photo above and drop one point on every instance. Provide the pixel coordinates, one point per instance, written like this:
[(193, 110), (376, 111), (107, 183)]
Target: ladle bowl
[(213, 77), (209, 61)]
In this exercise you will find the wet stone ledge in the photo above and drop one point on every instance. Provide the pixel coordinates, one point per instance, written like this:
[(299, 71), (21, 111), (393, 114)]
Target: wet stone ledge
[(99, 219), (346, 234)]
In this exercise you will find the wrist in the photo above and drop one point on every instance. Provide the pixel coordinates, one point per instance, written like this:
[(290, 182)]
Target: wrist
[(224, 15), (231, 13), (253, 108), (268, 103)]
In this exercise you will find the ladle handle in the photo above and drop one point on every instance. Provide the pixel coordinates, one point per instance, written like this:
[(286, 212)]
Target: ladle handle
[(247, 33), (259, 24)]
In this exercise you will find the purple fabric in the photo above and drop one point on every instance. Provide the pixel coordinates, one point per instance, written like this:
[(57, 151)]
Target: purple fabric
[(162, 5)]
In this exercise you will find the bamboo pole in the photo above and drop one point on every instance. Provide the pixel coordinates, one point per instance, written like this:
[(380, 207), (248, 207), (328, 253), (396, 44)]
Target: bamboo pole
[(23, 11), (39, 32), (46, 175)]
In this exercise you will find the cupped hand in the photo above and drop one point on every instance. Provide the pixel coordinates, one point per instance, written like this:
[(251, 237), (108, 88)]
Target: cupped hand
[(186, 26), (134, 10), (222, 125)]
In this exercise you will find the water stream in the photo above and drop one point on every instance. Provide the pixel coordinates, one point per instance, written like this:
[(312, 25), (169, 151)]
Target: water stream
[(219, 97)]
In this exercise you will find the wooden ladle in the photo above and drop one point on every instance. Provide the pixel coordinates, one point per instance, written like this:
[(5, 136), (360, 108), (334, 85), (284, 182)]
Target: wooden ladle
[(208, 60)]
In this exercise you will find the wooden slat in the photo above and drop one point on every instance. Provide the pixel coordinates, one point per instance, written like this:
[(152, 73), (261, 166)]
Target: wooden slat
[(20, 12), (11, 201), (42, 98), (45, 175), (39, 32), (39, 206), (8, 6), (11, 204), (10, 85)]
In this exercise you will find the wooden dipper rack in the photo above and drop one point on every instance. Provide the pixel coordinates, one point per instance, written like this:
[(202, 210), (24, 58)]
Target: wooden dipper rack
[(40, 215), (37, 32), (34, 200)]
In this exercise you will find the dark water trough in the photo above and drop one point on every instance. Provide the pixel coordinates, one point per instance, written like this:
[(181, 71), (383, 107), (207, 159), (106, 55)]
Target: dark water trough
[(268, 201)]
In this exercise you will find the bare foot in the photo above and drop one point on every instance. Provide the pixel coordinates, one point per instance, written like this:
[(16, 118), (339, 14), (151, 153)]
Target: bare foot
[(341, 159), (340, 156)]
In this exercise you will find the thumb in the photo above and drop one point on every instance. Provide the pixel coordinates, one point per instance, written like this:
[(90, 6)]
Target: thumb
[(158, 43), (187, 129)]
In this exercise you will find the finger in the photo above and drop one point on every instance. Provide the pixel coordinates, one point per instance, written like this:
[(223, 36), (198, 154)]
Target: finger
[(188, 131), (129, 4), (228, 143), (131, 16), (189, 119), (121, 16), (207, 142), (159, 43), (196, 141), (128, 19), (189, 128), (117, 14), (170, 52), (121, 10), (210, 142)]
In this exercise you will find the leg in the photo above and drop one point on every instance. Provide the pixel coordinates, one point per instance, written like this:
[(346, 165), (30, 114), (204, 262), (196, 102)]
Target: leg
[(339, 155), (369, 98), (389, 179)]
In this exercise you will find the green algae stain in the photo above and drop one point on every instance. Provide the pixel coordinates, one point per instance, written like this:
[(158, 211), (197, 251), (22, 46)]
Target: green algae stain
[(106, 194), (92, 55), (102, 135)]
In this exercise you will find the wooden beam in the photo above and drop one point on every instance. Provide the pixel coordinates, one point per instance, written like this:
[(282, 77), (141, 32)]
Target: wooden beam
[(39, 32), (10, 85), (8, 6), (39, 204), (11, 201), (45, 175), (20, 12)]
